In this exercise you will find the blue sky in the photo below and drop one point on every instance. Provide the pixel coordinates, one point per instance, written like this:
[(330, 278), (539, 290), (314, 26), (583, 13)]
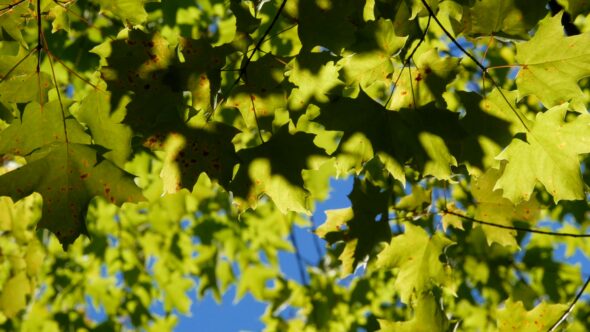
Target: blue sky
[(228, 316)]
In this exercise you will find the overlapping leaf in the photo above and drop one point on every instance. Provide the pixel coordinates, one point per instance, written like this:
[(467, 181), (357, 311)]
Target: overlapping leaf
[(515, 317), (552, 64), (493, 208), (68, 176), (416, 255), (361, 227), (549, 155)]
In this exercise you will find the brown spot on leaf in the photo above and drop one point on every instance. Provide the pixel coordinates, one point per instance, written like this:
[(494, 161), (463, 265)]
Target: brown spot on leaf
[(83, 176)]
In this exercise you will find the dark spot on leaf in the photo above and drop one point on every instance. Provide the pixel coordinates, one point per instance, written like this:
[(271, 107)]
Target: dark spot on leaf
[(84, 176), (147, 86)]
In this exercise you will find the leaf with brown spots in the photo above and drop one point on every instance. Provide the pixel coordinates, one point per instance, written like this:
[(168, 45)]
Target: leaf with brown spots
[(68, 176), (425, 82), (515, 317), (550, 155), (492, 207), (552, 64)]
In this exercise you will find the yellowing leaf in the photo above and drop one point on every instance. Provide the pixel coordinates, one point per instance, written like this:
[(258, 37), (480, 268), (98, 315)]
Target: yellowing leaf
[(13, 297), (515, 317), (550, 156), (552, 64), (428, 317)]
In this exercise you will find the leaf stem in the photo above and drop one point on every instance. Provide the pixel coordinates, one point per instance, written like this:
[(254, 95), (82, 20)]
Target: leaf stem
[(408, 59), (515, 228), (479, 64), (249, 58), (298, 256), (8, 7)]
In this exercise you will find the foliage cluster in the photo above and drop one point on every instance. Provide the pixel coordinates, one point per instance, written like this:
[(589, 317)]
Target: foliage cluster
[(150, 148)]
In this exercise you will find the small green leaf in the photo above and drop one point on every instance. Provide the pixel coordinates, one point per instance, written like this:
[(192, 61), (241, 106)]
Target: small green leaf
[(416, 255)]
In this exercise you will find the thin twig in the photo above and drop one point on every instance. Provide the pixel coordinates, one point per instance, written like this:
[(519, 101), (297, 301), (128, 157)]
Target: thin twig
[(71, 71), (16, 65), (514, 228), (407, 60), (298, 256), (479, 64), (61, 105), (39, 47), (256, 118), (571, 306), (10, 6), (249, 58)]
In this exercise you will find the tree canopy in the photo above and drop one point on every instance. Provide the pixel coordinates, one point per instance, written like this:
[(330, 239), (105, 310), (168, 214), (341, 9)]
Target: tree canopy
[(155, 148)]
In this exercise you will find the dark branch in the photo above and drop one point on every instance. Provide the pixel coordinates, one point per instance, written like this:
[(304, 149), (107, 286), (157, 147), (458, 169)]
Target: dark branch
[(254, 51), (514, 228), (8, 7), (571, 306), (479, 64), (300, 263), (408, 59)]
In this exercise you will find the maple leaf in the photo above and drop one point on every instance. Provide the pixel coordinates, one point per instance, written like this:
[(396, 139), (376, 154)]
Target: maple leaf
[(515, 317), (416, 255), (549, 155), (552, 64), (505, 18), (492, 207), (428, 317), (40, 125), (424, 83), (274, 169), (68, 176), (370, 65), (361, 227)]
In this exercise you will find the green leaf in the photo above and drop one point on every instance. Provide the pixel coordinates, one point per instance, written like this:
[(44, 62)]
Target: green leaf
[(515, 317), (552, 64), (40, 125), (425, 82), (335, 19), (130, 11), (428, 317), (26, 88), (492, 207), (575, 7), (549, 155), (14, 294), (361, 227), (68, 176), (106, 128), (504, 18), (416, 255), (369, 66), (274, 169), (426, 136), (315, 75)]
